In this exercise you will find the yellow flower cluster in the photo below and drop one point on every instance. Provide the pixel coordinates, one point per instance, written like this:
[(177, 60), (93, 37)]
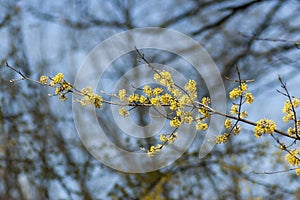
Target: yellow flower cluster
[(200, 124), (122, 95), (235, 93), (154, 149), (185, 116), (242, 90), (155, 101), (174, 104), (228, 123), (164, 138), (234, 109), (134, 98), (186, 100), (123, 112), (239, 91), (222, 138), (90, 98), (57, 79), (166, 99), (164, 78), (157, 91), (44, 79), (237, 129), (153, 96), (175, 122), (292, 157), (288, 109), (244, 114), (178, 100), (203, 110), (143, 99), (292, 131), (147, 90), (62, 87), (191, 89), (264, 126), (247, 97)]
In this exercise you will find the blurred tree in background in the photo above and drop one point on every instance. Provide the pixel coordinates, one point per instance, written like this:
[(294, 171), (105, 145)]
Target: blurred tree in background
[(41, 156)]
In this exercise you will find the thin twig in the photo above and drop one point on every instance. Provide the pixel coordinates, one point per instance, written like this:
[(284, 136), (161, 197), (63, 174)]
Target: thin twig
[(275, 172), (283, 85), (296, 43)]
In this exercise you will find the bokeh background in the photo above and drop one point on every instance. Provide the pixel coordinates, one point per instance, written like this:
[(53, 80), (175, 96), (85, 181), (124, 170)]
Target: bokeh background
[(41, 155)]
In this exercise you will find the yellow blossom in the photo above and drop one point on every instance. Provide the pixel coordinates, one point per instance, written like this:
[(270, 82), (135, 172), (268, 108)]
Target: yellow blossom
[(288, 116), (174, 104), (147, 90), (143, 99), (86, 91), (282, 146), (244, 87), (264, 126), (249, 98), (244, 114), (292, 131), (58, 78), (190, 87), (222, 138), (157, 91), (237, 129), (228, 123), (201, 126), (288, 105), (163, 138), (186, 117), (179, 112), (204, 111), (62, 97), (123, 112), (205, 101), (234, 109), (58, 90), (296, 102), (292, 157), (298, 171), (67, 86), (185, 99), (288, 109), (175, 122), (154, 149), (235, 93), (96, 100), (44, 79), (90, 98), (172, 138), (165, 99), (164, 78), (122, 95), (154, 101), (176, 92), (133, 98)]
